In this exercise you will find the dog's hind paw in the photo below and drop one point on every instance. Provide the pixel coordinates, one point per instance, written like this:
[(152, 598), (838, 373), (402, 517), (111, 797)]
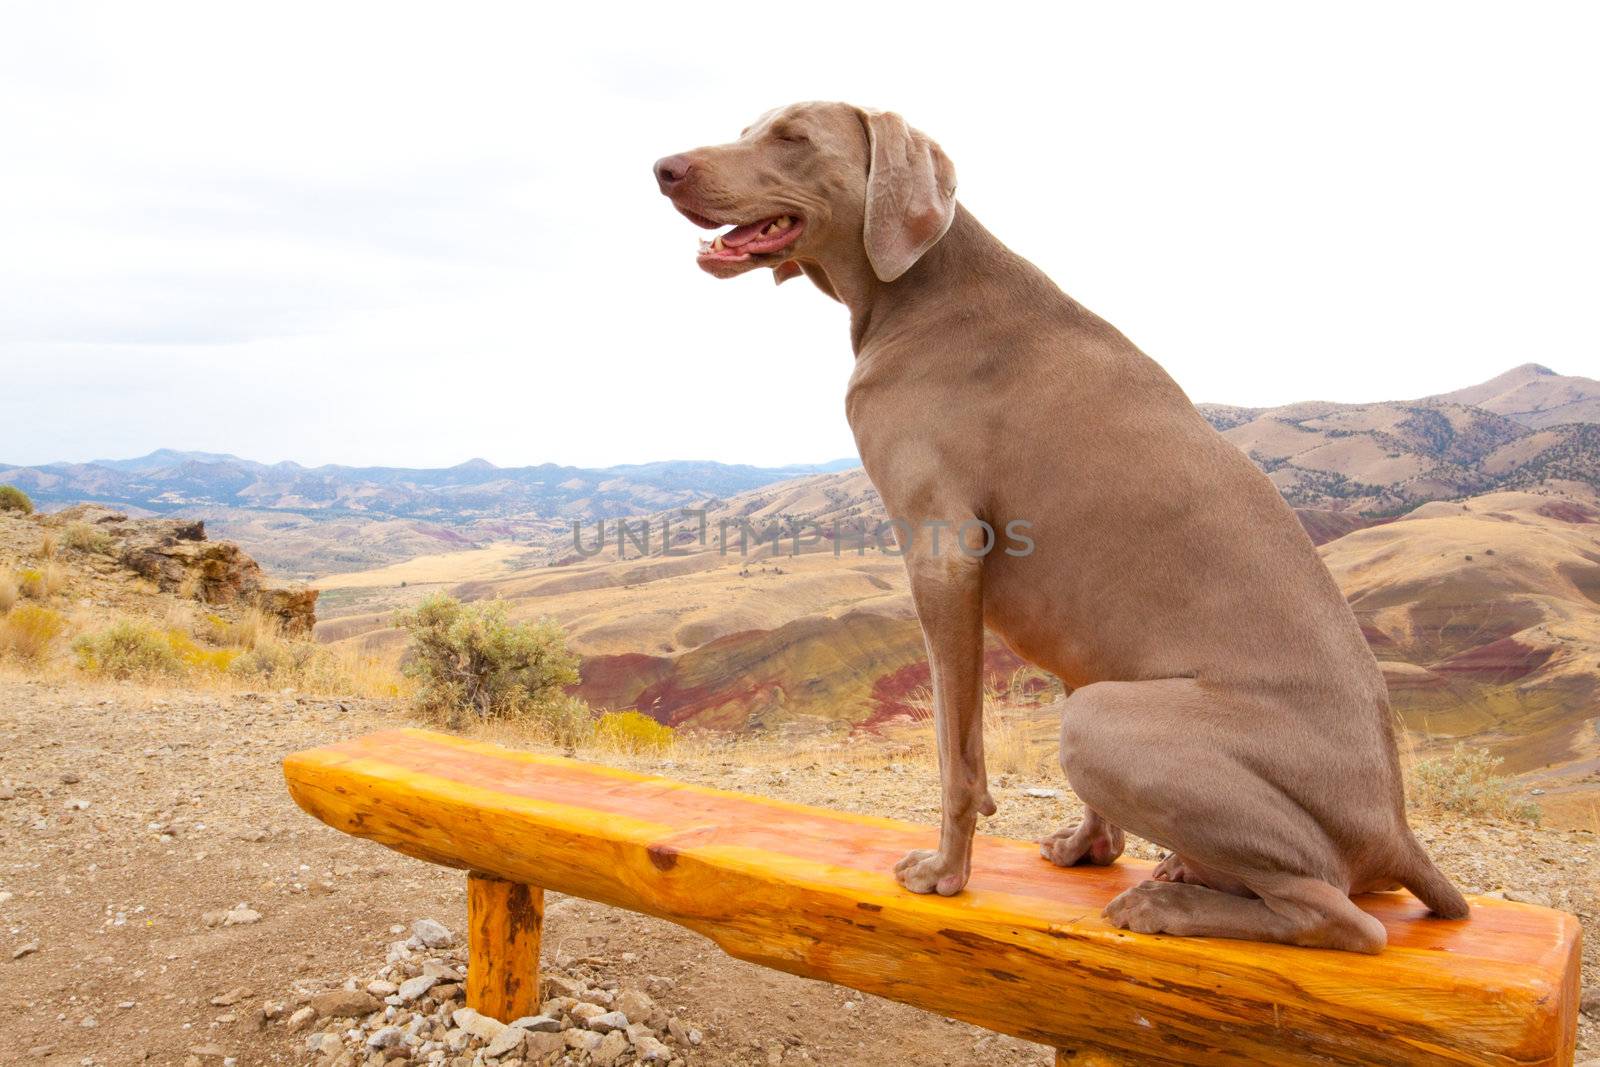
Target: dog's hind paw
[(1091, 841)]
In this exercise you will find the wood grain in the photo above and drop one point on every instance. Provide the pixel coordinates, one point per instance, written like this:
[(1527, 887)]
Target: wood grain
[(1023, 950), (504, 921)]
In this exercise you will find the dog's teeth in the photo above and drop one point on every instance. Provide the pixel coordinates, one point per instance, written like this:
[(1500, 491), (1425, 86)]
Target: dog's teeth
[(717, 244), (783, 222)]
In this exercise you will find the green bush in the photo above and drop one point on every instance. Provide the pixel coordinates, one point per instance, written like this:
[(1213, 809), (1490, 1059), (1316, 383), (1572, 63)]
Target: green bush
[(14, 499), (1465, 783), (127, 650), (469, 658)]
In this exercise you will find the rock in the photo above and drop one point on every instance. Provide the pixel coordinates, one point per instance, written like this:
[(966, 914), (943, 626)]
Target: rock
[(611, 1048), (1520, 896), (1589, 1001), (506, 1041), (482, 1026), (583, 1011), (382, 989), (456, 1039), (657, 986), (1041, 794), (607, 1022), (539, 1045), (230, 998), (415, 988), (634, 1004), (175, 555), (345, 1003), (302, 1018), (651, 1050), (210, 1052), (538, 1024), (25, 950), (388, 1037), (556, 985), (238, 915), (584, 1040), (432, 934)]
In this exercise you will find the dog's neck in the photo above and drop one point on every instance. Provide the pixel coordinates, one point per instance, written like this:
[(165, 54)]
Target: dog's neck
[(965, 255)]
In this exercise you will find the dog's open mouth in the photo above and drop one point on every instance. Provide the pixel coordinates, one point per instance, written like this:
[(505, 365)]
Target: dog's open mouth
[(742, 243)]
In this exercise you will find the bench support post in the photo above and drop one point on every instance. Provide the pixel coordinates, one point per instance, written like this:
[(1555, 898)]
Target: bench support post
[(504, 920)]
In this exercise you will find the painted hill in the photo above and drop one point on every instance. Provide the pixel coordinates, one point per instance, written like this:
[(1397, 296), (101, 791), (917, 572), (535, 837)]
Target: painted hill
[(1484, 612)]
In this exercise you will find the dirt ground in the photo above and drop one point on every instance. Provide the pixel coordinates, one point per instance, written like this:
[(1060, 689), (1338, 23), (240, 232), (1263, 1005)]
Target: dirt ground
[(127, 816)]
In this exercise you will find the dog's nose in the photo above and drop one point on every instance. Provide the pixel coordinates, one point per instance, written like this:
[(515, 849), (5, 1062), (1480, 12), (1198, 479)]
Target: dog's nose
[(670, 171)]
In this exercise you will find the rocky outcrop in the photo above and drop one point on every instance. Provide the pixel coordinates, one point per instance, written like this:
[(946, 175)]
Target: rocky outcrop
[(175, 555)]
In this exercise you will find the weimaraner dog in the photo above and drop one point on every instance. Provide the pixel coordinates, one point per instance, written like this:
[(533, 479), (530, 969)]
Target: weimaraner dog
[(1223, 703)]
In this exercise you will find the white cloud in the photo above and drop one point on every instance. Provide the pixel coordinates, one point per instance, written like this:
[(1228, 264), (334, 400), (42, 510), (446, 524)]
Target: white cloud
[(395, 233)]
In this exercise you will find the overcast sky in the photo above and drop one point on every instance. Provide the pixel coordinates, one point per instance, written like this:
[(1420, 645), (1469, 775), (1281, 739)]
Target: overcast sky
[(407, 235)]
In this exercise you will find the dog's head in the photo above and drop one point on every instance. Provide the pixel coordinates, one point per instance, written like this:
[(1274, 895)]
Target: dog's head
[(816, 185)]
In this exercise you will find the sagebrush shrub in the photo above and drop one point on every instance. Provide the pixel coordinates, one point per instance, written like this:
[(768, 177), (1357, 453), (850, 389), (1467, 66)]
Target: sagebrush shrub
[(128, 649), (82, 537), (1465, 783), (469, 658), (14, 499), (28, 630)]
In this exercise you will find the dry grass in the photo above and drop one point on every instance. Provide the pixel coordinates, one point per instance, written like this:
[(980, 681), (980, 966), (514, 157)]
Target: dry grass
[(10, 591), (42, 582), (1019, 737), (214, 653), (28, 630), (48, 543)]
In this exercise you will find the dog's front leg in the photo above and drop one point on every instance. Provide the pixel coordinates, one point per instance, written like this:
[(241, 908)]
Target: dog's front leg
[(946, 586)]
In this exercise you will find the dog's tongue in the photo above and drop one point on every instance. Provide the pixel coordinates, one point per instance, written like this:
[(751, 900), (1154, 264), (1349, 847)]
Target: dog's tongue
[(743, 235)]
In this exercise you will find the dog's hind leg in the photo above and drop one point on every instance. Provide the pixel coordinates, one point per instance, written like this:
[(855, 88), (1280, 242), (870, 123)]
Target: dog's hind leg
[(1191, 767)]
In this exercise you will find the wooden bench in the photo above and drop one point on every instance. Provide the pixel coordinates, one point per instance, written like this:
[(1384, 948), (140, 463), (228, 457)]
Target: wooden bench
[(1022, 951)]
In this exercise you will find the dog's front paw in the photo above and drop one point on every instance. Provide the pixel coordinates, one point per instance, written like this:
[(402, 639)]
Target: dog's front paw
[(926, 871)]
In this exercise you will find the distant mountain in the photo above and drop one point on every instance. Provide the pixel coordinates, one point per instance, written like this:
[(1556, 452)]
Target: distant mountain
[(171, 481), (1533, 395), (1522, 429)]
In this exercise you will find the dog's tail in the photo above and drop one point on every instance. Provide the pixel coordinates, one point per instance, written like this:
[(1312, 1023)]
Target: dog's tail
[(1431, 887)]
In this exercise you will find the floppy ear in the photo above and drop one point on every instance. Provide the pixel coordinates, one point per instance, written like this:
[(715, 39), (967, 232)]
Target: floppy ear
[(911, 194)]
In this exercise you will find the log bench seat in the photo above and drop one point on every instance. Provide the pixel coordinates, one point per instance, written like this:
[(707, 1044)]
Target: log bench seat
[(1023, 950)]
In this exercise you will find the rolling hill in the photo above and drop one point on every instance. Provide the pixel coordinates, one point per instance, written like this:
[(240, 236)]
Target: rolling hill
[(1517, 430)]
